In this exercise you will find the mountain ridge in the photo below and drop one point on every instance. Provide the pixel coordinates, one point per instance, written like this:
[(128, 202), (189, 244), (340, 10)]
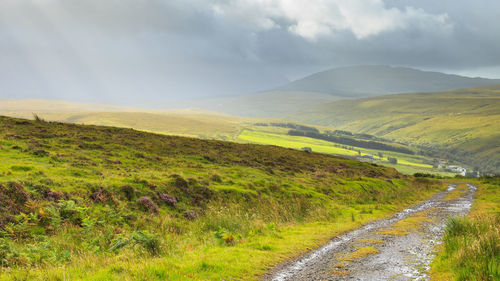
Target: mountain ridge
[(371, 80), (337, 84)]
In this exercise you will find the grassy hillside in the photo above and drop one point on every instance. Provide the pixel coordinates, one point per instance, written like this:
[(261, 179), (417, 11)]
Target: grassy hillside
[(407, 164), (195, 123), (153, 207), (207, 125), (28, 106), (214, 126), (465, 123), (275, 103), (210, 125)]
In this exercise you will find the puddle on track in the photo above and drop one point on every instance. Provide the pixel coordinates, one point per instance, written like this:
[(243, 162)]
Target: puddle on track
[(400, 257)]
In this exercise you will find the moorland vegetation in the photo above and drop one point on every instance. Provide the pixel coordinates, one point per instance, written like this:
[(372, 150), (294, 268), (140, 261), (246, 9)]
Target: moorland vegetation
[(103, 203)]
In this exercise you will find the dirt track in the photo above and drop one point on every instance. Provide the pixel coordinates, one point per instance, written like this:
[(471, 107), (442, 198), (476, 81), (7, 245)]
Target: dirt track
[(402, 246)]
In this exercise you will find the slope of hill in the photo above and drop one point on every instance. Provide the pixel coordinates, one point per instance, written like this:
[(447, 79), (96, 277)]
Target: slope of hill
[(186, 122), (369, 80), (28, 106), (154, 207), (466, 122), (339, 83), (266, 104), (210, 125), (202, 125)]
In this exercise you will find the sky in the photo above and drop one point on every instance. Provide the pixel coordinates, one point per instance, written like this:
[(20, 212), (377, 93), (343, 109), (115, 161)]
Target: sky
[(151, 52)]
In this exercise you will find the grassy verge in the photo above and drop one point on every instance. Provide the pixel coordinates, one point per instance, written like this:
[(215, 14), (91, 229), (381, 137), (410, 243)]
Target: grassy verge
[(471, 248), (216, 246)]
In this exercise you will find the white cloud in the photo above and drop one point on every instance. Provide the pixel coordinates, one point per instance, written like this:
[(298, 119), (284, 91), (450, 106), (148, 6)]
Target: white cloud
[(313, 19)]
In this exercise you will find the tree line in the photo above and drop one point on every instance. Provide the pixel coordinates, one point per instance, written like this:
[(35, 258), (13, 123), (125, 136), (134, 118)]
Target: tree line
[(289, 126), (350, 141)]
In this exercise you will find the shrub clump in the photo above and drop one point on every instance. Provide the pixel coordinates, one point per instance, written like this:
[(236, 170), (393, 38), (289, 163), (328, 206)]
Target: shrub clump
[(226, 237), (200, 194), (39, 152), (168, 199), (216, 178), (13, 199), (190, 214), (146, 204), (72, 212), (8, 256), (102, 196), (47, 194), (53, 196), (149, 242), (180, 182), (128, 191)]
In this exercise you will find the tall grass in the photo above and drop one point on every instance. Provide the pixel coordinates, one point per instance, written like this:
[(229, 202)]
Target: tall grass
[(473, 245), (471, 248), (37, 118), (143, 203)]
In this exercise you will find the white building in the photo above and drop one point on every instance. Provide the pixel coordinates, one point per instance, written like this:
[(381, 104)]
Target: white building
[(457, 169)]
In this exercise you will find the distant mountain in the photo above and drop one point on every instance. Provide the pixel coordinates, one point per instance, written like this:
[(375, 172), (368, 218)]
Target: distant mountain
[(336, 84), (465, 123), (371, 80)]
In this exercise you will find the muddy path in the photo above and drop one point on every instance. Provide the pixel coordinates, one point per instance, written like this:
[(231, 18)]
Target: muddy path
[(397, 248)]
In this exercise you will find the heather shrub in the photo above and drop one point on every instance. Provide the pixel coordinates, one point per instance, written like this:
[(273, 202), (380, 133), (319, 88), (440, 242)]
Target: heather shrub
[(146, 204)]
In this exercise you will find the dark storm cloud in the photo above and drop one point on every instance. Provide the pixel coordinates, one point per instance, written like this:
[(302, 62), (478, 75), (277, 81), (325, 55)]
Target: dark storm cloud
[(143, 51)]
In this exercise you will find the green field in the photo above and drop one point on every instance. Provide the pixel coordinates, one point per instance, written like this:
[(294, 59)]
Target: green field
[(461, 125), (295, 142), (144, 206), (407, 164)]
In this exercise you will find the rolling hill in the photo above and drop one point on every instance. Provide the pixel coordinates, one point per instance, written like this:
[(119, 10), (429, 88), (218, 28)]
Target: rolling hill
[(273, 104), (465, 123), (211, 125), (28, 106), (336, 84), (186, 122), (201, 125)]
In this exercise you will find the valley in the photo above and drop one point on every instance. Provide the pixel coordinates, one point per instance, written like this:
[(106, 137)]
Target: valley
[(461, 125), (209, 125), (455, 127), (243, 140), (317, 90), (156, 207), (196, 194)]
